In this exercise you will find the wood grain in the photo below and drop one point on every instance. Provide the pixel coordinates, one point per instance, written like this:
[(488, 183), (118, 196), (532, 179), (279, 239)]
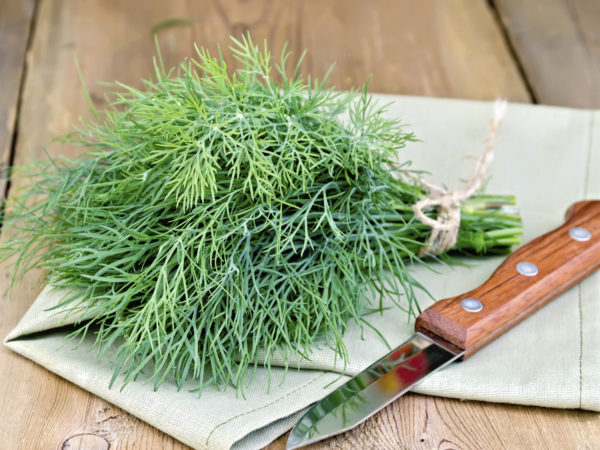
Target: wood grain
[(509, 297), (15, 27), (110, 40), (434, 48), (430, 47), (420, 422), (558, 44)]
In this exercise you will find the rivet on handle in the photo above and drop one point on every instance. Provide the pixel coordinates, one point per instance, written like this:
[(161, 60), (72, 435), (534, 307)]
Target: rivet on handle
[(580, 234), (471, 304), (528, 269)]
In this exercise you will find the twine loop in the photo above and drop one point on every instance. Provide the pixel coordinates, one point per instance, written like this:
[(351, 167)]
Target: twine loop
[(444, 229)]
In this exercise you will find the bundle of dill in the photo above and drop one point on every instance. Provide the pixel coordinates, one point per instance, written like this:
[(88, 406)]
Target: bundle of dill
[(218, 217)]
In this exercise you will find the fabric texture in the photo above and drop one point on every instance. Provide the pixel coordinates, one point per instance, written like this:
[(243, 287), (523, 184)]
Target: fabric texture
[(548, 157)]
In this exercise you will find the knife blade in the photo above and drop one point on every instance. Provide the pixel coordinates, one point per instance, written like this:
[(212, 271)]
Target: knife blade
[(455, 328)]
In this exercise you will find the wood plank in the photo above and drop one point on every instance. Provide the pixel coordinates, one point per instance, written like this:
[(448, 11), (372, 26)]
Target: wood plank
[(15, 27), (433, 47), (558, 44), (424, 423), (111, 40)]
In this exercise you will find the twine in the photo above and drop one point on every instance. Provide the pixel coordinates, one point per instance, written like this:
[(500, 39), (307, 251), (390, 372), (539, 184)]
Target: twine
[(444, 229)]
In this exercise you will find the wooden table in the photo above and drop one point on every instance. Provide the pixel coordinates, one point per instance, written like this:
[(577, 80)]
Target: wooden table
[(545, 51)]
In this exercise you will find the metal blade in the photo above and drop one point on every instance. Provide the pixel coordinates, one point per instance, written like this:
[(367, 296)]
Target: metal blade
[(371, 390)]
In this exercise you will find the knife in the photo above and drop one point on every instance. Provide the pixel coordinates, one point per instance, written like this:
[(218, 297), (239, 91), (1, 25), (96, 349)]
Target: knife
[(455, 328)]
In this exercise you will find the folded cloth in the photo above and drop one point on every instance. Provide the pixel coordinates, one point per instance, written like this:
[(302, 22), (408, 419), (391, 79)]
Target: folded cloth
[(548, 157)]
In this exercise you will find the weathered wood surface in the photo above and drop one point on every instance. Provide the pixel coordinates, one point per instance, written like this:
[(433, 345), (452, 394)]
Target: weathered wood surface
[(425, 423), (434, 48), (440, 48), (15, 26), (558, 44)]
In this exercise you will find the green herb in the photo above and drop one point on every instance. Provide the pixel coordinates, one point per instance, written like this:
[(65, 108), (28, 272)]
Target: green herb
[(221, 216)]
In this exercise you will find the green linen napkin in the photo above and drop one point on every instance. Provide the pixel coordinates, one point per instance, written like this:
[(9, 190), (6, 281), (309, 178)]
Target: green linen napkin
[(549, 157)]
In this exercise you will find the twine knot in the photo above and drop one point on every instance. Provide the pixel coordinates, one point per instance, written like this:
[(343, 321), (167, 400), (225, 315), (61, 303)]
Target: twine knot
[(444, 229)]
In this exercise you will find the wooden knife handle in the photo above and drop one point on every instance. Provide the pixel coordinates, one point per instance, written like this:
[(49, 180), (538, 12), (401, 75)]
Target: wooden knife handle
[(510, 296)]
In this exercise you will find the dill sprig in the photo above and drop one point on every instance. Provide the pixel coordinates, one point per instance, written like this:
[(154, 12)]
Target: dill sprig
[(220, 217)]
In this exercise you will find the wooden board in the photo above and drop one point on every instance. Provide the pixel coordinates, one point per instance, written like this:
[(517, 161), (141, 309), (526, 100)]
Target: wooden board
[(110, 40), (425, 423), (15, 26), (449, 49), (558, 45), (434, 48)]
